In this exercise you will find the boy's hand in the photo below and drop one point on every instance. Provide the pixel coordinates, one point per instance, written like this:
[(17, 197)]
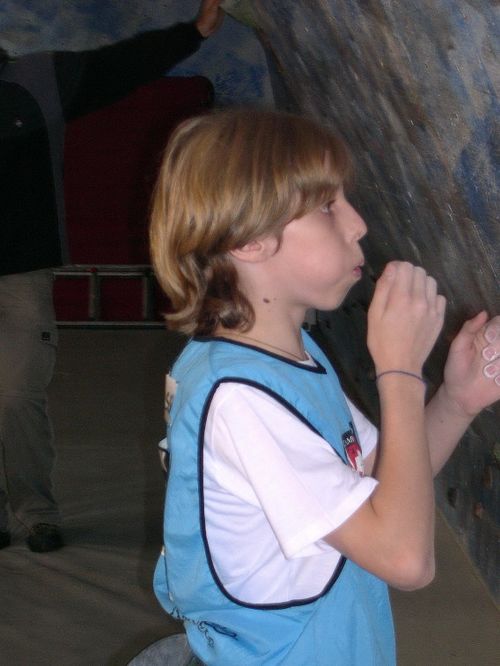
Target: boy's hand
[(472, 370), (210, 17), (404, 319)]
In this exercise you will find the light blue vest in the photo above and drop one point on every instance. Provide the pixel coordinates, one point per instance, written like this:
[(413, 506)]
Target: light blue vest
[(350, 622)]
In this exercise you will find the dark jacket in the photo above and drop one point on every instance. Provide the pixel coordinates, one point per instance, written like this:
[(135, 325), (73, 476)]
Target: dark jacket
[(38, 94)]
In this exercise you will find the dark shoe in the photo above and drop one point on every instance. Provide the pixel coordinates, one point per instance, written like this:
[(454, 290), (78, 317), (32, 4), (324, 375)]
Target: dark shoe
[(4, 539), (44, 537)]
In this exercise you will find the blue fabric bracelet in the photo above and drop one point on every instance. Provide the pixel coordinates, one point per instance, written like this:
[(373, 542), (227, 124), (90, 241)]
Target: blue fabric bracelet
[(402, 372)]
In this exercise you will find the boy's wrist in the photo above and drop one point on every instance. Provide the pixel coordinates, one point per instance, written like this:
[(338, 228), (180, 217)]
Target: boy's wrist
[(452, 405), (389, 362), (404, 373), (401, 390)]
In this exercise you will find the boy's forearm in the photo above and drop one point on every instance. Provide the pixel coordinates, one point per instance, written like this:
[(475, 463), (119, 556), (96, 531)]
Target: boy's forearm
[(399, 516), (404, 319), (445, 425), (404, 499)]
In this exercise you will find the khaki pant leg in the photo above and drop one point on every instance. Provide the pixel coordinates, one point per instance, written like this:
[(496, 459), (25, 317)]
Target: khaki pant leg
[(28, 343)]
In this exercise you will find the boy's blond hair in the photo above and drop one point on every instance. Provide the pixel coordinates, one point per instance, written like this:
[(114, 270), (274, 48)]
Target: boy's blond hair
[(226, 179)]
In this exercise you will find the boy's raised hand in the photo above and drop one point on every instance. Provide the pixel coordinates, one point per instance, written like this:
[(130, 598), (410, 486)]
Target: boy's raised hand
[(472, 370), (404, 319)]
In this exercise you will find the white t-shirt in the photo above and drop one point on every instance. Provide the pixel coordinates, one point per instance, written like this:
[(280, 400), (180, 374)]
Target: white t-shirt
[(273, 489)]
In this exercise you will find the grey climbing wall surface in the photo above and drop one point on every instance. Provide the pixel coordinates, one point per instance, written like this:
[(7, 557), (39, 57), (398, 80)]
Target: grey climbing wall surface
[(412, 86)]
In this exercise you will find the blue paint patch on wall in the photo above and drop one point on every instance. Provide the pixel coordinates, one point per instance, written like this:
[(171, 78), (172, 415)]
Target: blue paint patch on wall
[(239, 81), (476, 166)]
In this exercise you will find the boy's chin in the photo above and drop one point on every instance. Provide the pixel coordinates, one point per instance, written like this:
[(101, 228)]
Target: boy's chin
[(333, 305)]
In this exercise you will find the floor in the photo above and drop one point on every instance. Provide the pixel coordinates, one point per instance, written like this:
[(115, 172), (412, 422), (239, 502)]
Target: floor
[(91, 603)]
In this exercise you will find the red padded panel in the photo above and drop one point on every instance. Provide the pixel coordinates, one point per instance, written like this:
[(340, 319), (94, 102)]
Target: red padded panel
[(111, 161)]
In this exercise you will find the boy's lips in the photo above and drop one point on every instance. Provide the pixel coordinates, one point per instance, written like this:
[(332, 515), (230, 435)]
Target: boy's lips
[(358, 269), (360, 263)]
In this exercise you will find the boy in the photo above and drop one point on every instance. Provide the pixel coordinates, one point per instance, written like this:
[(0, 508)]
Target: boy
[(285, 518)]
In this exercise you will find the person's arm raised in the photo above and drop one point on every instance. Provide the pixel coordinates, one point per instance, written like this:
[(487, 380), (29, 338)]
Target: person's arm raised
[(392, 533), (209, 18)]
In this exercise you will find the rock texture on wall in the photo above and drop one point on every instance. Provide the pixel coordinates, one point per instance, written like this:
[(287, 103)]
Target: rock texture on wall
[(412, 86)]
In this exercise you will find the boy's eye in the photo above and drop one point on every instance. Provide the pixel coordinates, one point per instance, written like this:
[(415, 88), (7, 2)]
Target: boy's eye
[(327, 207)]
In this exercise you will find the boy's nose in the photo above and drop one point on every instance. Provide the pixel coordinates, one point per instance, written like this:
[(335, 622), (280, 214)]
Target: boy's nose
[(363, 228), (358, 226)]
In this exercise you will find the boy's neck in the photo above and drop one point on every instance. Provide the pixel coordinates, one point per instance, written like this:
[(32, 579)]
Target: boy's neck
[(277, 324), (288, 344)]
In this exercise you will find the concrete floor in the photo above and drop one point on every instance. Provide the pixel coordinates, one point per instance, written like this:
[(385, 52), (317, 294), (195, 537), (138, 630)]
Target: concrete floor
[(91, 604)]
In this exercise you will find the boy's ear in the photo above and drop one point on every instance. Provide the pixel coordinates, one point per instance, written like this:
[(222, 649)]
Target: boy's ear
[(256, 250)]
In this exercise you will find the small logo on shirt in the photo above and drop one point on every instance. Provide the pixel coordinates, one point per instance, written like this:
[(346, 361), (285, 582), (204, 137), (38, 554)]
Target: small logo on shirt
[(170, 389), (353, 450)]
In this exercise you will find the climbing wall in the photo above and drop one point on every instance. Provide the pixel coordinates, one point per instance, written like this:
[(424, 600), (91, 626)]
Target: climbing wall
[(412, 86)]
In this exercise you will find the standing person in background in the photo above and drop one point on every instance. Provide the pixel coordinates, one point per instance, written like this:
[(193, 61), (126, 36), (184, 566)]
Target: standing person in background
[(39, 93)]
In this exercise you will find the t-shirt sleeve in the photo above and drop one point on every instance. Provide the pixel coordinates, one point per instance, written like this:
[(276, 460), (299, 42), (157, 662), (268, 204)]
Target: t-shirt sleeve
[(262, 454), (367, 432)]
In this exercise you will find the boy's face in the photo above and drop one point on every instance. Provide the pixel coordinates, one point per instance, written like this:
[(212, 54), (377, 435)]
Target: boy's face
[(320, 258)]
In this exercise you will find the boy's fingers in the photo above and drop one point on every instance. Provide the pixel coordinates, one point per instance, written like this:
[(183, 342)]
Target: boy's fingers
[(417, 277), (384, 284), (425, 286), (492, 330), (472, 326), (441, 304), (431, 289), (490, 353), (492, 371), (400, 278), (469, 330), (389, 272), (492, 335)]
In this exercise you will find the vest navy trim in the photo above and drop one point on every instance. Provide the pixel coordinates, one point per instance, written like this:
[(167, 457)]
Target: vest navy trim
[(201, 499), (317, 368)]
